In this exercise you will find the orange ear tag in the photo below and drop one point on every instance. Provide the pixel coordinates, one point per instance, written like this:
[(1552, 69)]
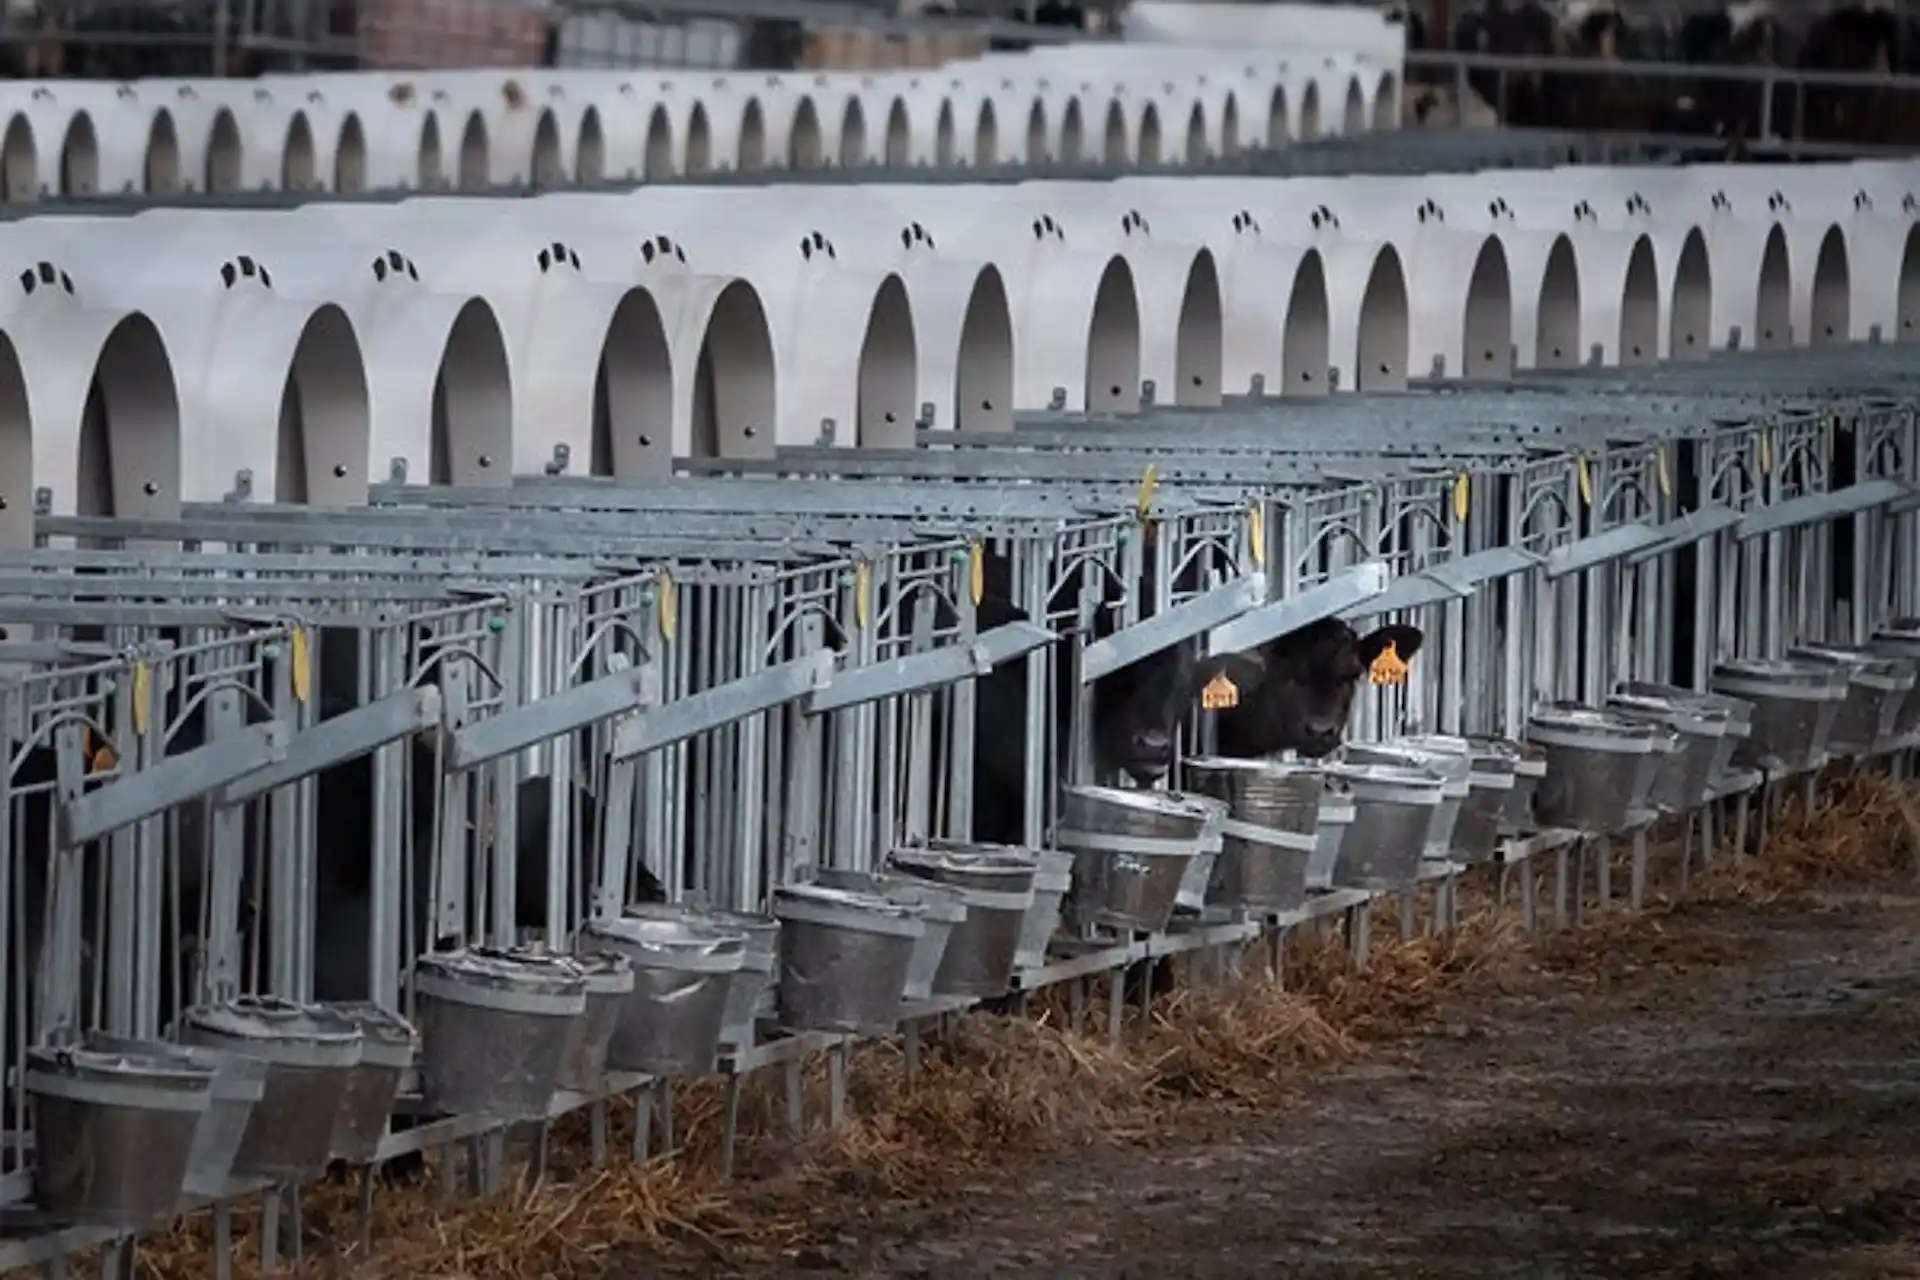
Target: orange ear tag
[(1388, 668), (1220, 694)]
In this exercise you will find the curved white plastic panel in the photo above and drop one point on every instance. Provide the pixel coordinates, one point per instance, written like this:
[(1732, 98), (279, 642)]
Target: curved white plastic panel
[(89, 406), (464, 339), (1330, 71), (242, 354)]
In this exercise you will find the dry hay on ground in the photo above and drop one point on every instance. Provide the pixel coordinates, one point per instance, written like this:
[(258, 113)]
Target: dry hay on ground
[(994, 1089), (540, 1232), (1861, 826), (1404, 979)]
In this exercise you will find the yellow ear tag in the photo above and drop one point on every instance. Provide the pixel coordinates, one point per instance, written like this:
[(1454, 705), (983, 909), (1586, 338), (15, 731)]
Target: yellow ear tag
[(1660, 471), (1462, 488), (1220, 694), (1257, 535), (669, 611), (862, 586), (1149, 481), (1388, 668), (1586, 481), (977, 573), (142, 681), (302, 675)]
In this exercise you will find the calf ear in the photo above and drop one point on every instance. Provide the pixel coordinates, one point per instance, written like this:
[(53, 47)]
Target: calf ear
[(1406, 642), (1222, 682)]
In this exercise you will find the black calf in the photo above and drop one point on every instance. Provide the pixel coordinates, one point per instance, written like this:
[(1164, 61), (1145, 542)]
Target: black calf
[(1137, 711), (1306, 698), (1302, 704)]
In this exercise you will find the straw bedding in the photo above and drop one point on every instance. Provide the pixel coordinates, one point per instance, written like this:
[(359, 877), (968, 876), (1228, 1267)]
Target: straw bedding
[(1860, 826), (995, 1089)]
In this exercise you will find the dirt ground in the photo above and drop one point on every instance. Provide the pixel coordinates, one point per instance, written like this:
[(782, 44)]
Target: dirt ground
[(1721, 1090)]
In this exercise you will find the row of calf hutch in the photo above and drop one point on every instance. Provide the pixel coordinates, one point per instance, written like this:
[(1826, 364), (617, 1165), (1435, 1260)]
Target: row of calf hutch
[(367, 131), (464, 340), (342, 829)]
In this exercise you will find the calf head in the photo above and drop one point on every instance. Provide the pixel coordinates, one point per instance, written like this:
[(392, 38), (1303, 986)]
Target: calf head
[(1138, 709), (1311, 675)]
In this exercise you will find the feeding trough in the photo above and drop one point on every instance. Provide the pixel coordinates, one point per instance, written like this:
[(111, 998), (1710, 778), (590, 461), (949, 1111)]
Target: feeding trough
[(609, 979), (310, 1053), (1600, 766), (1900, 638), (1052, 881), (114, 1133), (1192, 895), (750, 990), (1393, 812), (1269, 834), (1495, 773), (494, 1023), (1738, 712), (843, 958), (1336, 818), (683, 972), (1794, 706), (996, 883), (1516, 816), (1130, 851), (386, 1051), (1877, 688), (1446, 760), (238, 1083), (1699, 728), (1491, 764), (943, 909)]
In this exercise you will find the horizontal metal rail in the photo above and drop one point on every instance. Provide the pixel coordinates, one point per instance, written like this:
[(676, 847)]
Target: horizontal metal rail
[(1733, 73)]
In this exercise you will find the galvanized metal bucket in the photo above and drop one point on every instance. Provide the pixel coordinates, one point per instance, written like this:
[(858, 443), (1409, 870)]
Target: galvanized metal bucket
[(1877, 688), (1192, 895), (1270, 832), (114, 1133), (494, 1023), (1392, 814), (1335, 819), (387, 1045), (1900, 638), (238, 1083), (1131, 849), (310, 1053), (1446, 760), (1794, 707), (1052, 881), (1680, 784), (945, 908), (683, 974), (1495, 773), (1517, 816), (1473, 831), (609, 979), (1600, 766), (750, 990), (997, 887), (843, 958), (1738, 713)]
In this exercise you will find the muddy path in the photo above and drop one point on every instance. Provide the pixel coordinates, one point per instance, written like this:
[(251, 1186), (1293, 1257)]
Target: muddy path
[(1719, 1090)]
